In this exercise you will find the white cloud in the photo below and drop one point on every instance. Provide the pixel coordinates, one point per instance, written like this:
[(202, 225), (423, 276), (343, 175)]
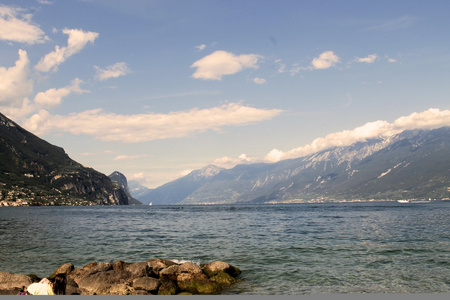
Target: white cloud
[(220, 63), (429, 119), (77, 40), (258, 80), (369, 59), (200, 47), (15, 83), (53, 97), (325, 60), (113, 71), (16, 26), (146, 127), (229, 162)]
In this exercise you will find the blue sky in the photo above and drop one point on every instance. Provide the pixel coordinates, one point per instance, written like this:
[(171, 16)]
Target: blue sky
[(155, 89)]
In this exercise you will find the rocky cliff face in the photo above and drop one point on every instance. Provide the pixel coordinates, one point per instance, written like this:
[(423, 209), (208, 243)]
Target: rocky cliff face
[(121, 181), (34, 172)]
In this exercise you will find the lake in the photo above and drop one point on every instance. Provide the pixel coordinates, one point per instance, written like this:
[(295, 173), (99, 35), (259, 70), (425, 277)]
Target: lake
[(371, 247)]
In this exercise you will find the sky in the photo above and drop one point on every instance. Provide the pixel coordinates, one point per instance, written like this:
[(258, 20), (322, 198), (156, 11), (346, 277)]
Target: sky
[(156, 89)]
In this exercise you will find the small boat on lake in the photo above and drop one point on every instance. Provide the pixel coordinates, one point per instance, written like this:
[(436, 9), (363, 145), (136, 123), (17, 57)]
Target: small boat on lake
[(413, 201), (403, 201)]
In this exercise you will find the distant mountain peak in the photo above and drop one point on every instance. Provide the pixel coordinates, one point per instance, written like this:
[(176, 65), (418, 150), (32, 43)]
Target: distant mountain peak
[(206, 172), (411, 164)]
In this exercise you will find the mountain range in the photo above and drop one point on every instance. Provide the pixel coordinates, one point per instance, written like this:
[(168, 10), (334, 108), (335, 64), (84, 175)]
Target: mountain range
[(35, 172), (413, 164)]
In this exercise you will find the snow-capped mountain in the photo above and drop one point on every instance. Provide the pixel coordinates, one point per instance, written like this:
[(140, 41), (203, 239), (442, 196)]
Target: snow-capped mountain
[(412, 164)]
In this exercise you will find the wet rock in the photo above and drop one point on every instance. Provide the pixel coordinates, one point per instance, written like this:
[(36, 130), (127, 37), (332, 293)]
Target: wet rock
[(224, 279), (197, 284)]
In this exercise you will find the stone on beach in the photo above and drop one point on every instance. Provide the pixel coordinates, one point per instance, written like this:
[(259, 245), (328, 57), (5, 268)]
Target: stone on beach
[(11, 284), (152, 277)]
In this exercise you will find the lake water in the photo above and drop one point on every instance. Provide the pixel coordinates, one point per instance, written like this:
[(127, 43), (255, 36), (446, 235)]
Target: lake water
[(376, 247)]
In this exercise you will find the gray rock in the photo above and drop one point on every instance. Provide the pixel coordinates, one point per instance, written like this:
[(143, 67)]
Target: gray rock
[(189, 267), (156, 265), (89, 269), (139, 269), (147, 284), (101, 283)]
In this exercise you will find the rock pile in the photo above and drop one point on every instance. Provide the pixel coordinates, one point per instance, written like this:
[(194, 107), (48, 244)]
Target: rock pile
[(153, 277)]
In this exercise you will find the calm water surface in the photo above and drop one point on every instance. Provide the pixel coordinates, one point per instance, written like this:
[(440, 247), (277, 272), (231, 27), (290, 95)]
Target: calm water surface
[(377, 247)]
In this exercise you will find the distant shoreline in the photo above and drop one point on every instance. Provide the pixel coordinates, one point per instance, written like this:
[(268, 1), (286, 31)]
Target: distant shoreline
[(26, 204)]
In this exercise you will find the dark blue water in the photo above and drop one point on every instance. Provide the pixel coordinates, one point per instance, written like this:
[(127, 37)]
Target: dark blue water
[(377, 247)]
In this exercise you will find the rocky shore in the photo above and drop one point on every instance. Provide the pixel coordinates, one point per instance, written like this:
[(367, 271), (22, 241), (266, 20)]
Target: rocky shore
[(153, 277)]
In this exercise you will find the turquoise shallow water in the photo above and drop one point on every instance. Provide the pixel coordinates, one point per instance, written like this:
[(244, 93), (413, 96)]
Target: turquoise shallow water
[(377, 247)]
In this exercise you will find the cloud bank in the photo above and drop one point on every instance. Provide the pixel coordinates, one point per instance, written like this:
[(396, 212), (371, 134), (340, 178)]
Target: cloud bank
[(429, 119), (220, 63), (112, 127)]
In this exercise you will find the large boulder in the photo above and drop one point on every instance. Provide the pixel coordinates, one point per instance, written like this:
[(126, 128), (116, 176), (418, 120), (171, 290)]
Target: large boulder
[(197, 284), (156, 265), (105, 283), (216, 267), (11, 284), (148, 284), (139, 269), (89, 269), (63, 269)]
